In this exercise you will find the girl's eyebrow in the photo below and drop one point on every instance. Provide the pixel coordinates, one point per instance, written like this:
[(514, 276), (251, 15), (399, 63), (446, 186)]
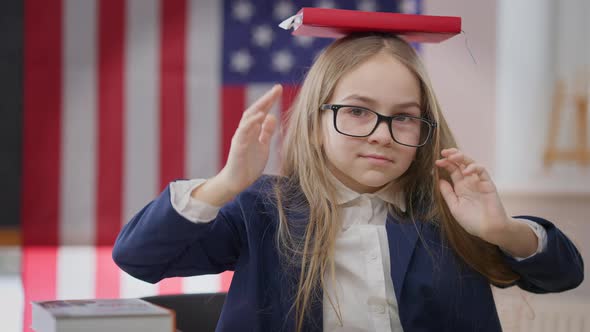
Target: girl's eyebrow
[(360, 98), (373, 102)]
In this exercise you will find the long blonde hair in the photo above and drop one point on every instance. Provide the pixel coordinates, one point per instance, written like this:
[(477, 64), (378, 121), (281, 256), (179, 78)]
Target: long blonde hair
[(308, 243)]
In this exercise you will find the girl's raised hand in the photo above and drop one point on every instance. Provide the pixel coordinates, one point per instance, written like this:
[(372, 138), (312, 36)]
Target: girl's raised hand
[(472, 197), (250, 144)]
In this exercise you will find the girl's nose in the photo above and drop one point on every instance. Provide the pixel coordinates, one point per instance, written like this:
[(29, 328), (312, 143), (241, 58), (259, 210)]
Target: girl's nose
[(381, 134)]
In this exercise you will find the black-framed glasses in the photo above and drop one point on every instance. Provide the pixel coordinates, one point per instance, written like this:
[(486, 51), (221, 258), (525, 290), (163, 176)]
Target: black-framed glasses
[(356, 121)]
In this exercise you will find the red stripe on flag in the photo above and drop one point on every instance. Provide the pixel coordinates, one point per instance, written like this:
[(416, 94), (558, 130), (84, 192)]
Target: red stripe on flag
[(108, 279), (173, 104), (170, 286), (37, 262), (172, 90), (226, 280), (41, 122), (289, 94), (233, 104), (111, 38)]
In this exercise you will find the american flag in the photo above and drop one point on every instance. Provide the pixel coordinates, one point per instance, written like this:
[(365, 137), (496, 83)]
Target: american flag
[(123, 96)]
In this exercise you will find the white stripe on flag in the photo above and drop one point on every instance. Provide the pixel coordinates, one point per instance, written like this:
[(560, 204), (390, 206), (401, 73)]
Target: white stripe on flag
[(12, 303), (131, 287), (141, 152), (203, 88), (78, 172), (210, 283), (142, 82), (253, 92), (76, 272)]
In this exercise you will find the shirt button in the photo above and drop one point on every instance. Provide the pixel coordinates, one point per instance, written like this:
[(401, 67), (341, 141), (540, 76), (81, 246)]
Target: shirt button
[(373, 255), (379, 308)]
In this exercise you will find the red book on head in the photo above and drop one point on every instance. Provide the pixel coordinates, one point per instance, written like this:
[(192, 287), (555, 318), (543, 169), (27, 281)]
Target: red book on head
[(336, 23)]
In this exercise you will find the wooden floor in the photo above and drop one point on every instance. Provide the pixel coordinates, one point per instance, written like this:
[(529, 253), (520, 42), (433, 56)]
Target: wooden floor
[(9, 236)]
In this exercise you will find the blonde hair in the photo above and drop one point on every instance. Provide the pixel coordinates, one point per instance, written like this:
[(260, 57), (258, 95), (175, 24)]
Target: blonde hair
[(305, 198)]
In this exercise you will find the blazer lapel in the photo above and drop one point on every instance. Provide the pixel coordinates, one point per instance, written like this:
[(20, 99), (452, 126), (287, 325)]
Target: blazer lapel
[(402, 237)]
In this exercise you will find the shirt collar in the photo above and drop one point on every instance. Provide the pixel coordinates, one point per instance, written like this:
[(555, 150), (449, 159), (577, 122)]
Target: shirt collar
[(387, 194)]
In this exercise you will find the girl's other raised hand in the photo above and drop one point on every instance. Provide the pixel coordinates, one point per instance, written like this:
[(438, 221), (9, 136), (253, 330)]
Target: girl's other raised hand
[(471, 196), (473, 200)]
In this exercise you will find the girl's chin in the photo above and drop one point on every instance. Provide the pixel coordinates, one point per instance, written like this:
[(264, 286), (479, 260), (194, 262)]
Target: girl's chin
[(374, 184)]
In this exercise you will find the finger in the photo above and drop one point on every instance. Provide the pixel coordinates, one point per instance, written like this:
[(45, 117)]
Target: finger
[(247, 122), (485, 180), (264, 103), (268, 127), (460, 158), (447, 152), (250, 127), (452, 168), (448, 193), (477, 169)]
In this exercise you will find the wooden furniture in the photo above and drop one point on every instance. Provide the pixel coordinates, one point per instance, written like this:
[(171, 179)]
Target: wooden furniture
[(579, 152)]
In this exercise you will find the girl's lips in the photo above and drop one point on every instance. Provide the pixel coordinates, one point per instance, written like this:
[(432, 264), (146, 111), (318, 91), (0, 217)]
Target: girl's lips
[(376, 157)]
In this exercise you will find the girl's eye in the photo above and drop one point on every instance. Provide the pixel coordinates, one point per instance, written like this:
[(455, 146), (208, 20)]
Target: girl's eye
[(359, 112), (402, 118)]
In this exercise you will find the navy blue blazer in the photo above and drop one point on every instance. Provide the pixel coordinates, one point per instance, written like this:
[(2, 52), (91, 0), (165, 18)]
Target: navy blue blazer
[(435, 291)]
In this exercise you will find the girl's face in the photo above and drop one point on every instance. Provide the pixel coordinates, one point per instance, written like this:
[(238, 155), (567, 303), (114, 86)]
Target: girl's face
[(366, 164)]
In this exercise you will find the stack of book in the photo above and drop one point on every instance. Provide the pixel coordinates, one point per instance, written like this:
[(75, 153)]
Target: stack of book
[(112, 315)]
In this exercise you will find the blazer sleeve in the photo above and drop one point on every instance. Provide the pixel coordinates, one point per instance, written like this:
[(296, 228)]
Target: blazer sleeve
[(158, 242), (559, 267)]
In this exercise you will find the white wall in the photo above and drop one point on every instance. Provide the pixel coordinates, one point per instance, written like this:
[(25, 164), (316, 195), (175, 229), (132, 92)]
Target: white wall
[(466, 90), (539, 42)]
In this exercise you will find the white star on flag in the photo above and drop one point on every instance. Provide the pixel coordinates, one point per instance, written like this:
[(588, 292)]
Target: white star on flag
[(325, 4), (303, 41), (262, 36), (283, 10), (367, 5), (243, 11), (241, 61), (282, 61)]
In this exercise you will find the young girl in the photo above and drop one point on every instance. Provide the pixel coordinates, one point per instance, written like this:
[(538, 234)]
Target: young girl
[(377, 222)]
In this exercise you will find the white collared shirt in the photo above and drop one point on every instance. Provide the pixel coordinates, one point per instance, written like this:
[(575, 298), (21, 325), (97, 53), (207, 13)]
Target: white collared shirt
[(363, 284), (363, 287)]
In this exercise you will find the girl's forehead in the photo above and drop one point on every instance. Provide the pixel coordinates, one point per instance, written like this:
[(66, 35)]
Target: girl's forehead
[(381, 79)]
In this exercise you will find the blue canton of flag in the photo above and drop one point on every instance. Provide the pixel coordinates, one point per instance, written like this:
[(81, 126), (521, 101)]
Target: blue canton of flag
[(256, 50)]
